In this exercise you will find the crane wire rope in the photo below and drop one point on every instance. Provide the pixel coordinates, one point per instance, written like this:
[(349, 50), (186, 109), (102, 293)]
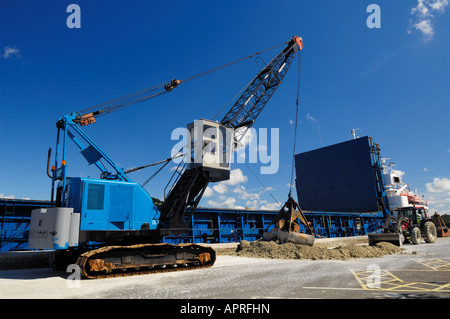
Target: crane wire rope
[(291, 184), (148, 93), (295, 140), (145, 94), (266, 189)]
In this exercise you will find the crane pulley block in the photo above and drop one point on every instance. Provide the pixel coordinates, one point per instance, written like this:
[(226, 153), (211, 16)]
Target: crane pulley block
[(173, 84), (87, 119)]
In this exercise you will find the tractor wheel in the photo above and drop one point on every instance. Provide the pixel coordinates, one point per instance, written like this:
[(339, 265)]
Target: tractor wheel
[(415, 236), (429, 232)]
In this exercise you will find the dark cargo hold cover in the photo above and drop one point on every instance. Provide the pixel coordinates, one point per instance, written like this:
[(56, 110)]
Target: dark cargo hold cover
[(337, 178)]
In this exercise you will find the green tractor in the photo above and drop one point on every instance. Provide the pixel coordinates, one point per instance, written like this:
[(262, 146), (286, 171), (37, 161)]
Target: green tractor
[(411, 225)]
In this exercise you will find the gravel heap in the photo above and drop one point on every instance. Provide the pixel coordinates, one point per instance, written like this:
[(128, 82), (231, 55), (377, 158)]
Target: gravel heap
[(270, 249)]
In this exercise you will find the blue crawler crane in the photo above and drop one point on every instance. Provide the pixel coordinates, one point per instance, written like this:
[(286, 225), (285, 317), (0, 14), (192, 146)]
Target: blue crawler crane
[(110, 226)]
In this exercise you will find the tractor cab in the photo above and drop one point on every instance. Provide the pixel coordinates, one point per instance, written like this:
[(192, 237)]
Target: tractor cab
[(415, 224), (414, 214)]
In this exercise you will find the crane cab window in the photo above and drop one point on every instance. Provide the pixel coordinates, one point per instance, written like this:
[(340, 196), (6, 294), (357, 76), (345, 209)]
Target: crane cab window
[(96, 196), (210, 147), (225, 145), (209, 131), (209, 137)]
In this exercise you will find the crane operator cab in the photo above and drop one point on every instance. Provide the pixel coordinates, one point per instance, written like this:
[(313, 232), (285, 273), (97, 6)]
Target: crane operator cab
[(211, 148)]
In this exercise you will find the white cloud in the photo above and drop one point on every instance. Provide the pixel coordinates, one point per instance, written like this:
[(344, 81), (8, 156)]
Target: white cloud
[(439, 5), (421, 9), (398, 172), (424, 14), (232, 202), (310, 117), (10, 51), (425, 27), (243, 194), (426, 169), (228, 202), (438, 201), (438, 185), (252, 204), (208, 192), (245, 139), (236, 177), (220, 188), (7, 196), (270, 206), (242, 198)]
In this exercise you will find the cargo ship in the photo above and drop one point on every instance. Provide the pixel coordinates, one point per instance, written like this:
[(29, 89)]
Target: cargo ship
[(398, 193), (336, 190)]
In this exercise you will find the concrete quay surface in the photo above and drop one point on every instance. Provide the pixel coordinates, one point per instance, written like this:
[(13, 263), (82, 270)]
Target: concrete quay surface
[(422, 271)]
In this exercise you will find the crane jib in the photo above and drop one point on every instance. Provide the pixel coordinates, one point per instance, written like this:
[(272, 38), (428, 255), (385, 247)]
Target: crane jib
[(261, 88), (188, 188)]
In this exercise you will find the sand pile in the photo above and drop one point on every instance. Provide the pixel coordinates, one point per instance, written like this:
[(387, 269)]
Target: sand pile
[(263, 249)]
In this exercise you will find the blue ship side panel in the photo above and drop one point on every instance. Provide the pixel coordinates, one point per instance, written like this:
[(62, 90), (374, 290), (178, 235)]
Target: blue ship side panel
[(212, 225), (337, 178)]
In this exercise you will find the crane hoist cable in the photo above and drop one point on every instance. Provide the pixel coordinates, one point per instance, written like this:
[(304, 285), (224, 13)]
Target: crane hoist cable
[(88, 115), (266, 189), (145, 94), (129, 99), (291, 185)]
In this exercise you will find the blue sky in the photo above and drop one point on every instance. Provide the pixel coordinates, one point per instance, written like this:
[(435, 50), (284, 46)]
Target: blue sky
[(392, 83)]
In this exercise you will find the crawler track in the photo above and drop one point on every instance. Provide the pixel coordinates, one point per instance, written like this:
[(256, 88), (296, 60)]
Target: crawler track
[(120, 261)]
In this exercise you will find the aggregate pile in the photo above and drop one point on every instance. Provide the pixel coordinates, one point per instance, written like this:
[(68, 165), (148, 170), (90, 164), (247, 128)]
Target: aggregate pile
[(271, 249)]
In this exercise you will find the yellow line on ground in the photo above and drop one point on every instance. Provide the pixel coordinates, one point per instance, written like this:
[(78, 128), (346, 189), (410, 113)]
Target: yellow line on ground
[(387, 278), (441, 287), (333, 288), (407, 285), (439, 264), (359, 280)]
